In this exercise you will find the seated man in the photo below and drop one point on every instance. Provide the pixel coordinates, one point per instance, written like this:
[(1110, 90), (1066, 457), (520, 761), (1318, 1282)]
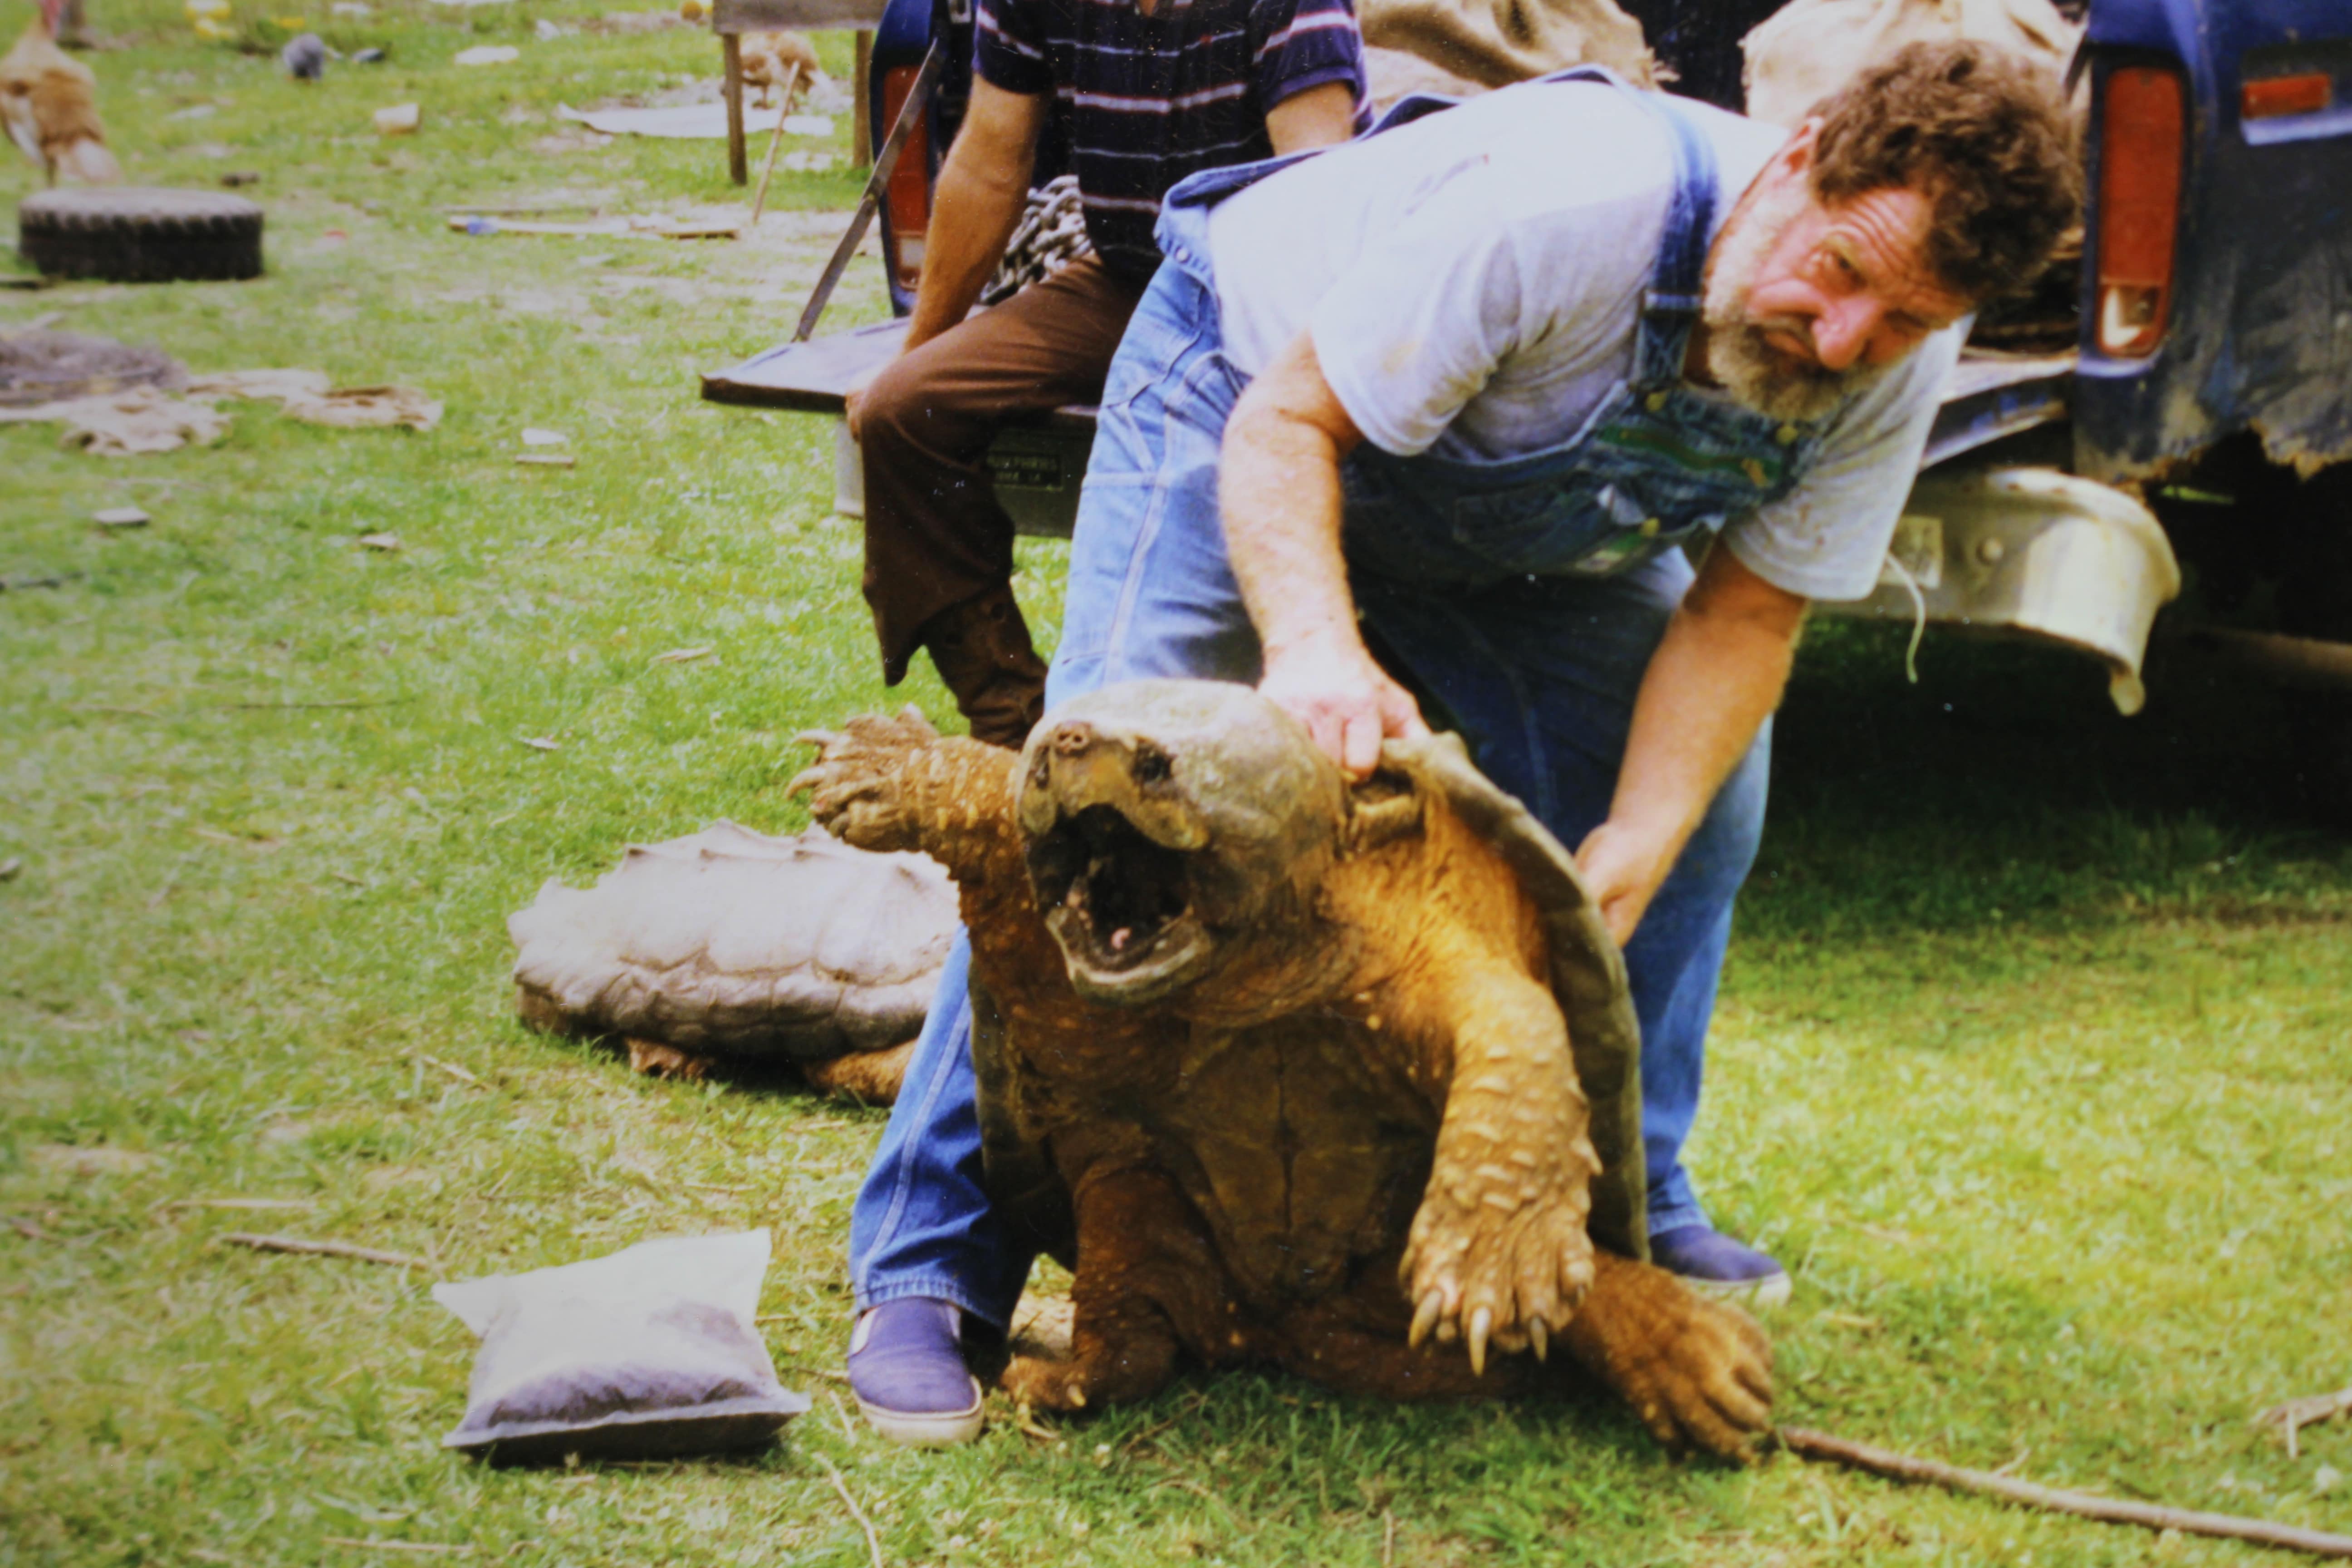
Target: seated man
[(1150, 99), (1458, 391)]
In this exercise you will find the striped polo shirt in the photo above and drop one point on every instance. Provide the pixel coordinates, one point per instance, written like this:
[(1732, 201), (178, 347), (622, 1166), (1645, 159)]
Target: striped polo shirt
[(1150, 99)]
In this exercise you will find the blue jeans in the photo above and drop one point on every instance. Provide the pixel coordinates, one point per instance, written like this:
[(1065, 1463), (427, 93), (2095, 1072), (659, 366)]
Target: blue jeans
[(1538, 675)]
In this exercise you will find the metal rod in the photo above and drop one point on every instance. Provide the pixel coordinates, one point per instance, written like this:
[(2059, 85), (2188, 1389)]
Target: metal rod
[(885, 161)]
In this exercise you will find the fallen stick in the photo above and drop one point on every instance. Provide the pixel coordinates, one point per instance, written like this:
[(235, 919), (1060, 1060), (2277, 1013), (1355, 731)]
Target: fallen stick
[(873, 1541), (2083, 1505), (791, 86), (425, 1546), (321, 1249)]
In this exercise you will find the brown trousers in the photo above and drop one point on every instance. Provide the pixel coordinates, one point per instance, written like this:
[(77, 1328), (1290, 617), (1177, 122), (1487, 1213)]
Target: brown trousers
[(935, 536)]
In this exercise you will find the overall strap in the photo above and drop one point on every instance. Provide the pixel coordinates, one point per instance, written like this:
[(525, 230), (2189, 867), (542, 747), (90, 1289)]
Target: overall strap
[(1670, 306)]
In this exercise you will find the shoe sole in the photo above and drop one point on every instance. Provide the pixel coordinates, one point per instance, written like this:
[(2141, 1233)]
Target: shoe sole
[(1772, 1291), (926, 1430)]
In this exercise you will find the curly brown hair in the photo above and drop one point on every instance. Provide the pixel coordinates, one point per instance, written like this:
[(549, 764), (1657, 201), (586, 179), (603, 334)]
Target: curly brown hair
[(1979, 130)]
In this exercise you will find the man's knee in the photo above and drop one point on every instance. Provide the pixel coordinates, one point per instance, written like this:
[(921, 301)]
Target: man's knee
[(894, 407)]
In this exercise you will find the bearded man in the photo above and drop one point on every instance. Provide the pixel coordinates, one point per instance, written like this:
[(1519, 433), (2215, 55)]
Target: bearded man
[(1440, 420)]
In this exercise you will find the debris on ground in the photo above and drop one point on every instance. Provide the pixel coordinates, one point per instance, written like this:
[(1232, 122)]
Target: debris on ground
[(1821, 1446), (122, 517), (126, 424), (648, 1353), (298, 1244), (41, 366), (703, 121), (481, 225), (2312, 1409), (486, 55), (632, 22), (400, 120), (385, 541), (307, 395)]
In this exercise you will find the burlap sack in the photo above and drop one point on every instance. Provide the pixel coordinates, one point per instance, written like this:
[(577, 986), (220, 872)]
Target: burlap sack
[(1493, 42), (1810, 49)]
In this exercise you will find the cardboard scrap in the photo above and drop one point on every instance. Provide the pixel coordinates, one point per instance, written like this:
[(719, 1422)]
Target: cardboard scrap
[(307, 395), (126, 424), (693, 121)]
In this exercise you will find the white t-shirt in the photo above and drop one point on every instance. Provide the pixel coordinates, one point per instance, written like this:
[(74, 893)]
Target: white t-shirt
[(1472, 282)]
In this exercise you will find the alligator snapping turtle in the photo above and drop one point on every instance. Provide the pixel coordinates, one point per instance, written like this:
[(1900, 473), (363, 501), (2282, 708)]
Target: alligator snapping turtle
[(731, 949), (1288, 1070)]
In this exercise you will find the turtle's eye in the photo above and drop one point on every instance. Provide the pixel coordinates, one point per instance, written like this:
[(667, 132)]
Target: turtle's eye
[(1151, 764)]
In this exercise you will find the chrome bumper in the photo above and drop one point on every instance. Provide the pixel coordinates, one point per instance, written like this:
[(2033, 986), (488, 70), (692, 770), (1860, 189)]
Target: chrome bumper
[(2032, 553)]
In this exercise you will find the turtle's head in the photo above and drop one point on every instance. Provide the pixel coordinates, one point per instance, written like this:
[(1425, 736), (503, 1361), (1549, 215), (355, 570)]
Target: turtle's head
[(1168, 823)]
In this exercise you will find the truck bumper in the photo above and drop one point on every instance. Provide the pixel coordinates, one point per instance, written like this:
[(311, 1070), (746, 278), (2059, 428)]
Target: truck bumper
[(2030, 553)]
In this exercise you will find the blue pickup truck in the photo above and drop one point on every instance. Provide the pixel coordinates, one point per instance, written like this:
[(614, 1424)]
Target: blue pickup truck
[(2191, 408)]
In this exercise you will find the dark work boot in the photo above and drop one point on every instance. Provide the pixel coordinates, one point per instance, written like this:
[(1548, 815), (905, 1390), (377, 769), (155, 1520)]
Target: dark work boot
[(981, 650)]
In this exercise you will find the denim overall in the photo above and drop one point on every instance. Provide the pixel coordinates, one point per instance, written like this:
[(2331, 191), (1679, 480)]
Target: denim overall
[(1521, 599)]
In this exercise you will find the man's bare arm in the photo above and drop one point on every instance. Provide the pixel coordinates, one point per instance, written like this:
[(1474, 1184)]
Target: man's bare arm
[(983, 189), (1716, 676), (1319, 117), (1279, 488)]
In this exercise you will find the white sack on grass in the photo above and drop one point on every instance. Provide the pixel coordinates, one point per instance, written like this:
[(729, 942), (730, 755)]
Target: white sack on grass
[(647, 1353), (1810, 49)]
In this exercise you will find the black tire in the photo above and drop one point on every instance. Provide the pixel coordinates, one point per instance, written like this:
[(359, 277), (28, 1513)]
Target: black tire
[(139, 235)]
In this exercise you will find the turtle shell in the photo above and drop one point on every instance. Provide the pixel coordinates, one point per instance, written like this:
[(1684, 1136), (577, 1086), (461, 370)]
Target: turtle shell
[(737, 943)]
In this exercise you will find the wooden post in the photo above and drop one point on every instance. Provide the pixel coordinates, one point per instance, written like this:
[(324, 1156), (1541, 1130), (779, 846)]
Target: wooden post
[(739, 162), (861, 136)]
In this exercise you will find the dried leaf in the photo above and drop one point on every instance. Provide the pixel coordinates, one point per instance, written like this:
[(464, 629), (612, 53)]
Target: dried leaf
[(682, 655), (379, 541)]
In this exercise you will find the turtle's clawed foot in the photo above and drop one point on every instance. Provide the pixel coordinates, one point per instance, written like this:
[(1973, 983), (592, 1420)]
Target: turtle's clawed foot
[(854, 785), (1043, 1384), (1698, 1372), (1497, 1278)]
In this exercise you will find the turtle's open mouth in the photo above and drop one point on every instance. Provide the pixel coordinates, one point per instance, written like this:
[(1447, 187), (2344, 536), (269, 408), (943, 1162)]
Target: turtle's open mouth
[(1121, 906)]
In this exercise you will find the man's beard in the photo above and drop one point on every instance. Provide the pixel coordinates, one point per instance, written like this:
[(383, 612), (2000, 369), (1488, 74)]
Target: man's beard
[(1776, 384)]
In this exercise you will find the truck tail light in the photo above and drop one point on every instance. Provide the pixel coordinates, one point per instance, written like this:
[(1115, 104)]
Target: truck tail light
[(2273, 96), (2140, 151), (909, 194)]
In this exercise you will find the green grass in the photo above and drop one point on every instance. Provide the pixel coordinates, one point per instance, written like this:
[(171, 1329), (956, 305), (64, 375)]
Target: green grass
[(2031, 1058)]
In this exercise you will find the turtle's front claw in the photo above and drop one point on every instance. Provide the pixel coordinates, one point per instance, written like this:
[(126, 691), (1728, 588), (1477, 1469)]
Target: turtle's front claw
[(853, 786)]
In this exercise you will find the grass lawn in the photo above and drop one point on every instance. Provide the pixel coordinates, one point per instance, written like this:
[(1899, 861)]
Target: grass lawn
[(2031, 1062)]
